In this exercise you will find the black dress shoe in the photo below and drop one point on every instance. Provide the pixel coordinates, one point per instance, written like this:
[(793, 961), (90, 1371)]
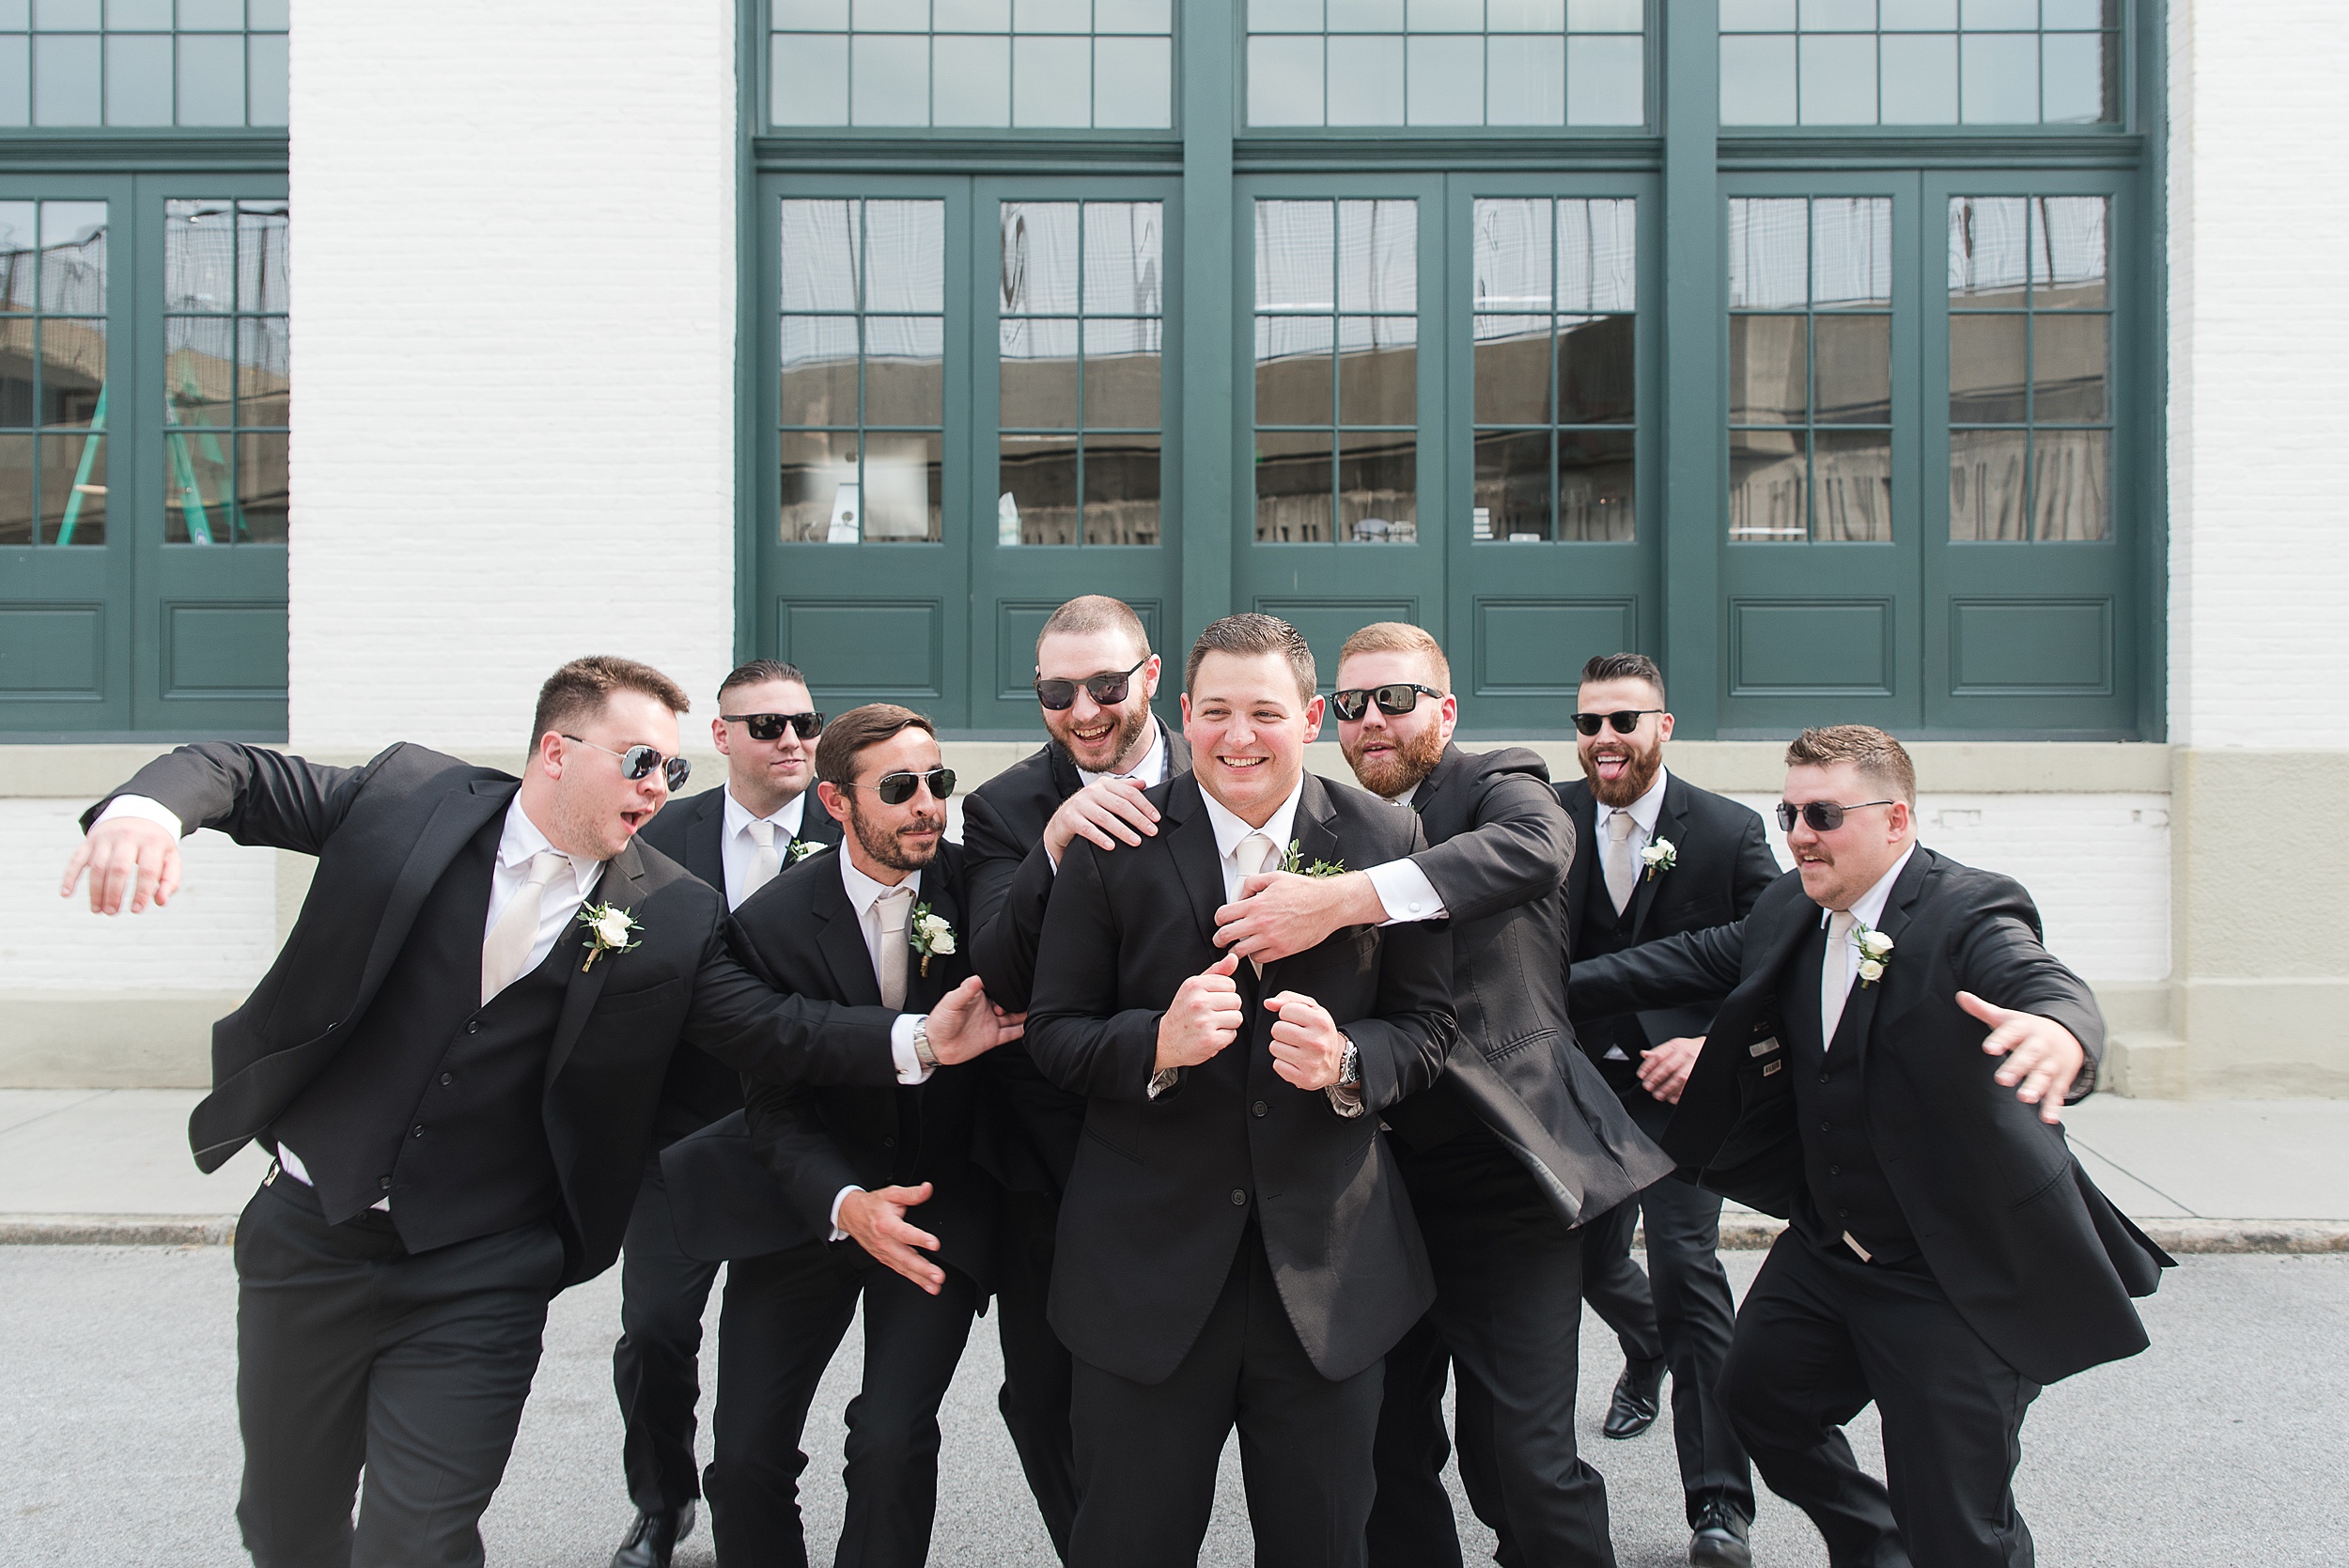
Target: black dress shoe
[(1719, 1541), (1633, 1409), (652, 1538)]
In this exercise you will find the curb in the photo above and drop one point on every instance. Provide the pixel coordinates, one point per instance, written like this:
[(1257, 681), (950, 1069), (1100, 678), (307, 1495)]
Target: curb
[(1755, 1233), (116, 1230)]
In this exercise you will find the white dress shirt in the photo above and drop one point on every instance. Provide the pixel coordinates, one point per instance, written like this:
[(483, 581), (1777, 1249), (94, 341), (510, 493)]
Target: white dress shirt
[(1645, 814), (1840, 966), (862, 890), (740, 851)]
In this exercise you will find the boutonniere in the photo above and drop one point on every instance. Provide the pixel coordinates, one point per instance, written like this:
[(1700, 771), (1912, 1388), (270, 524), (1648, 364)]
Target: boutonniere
[(608, 927), (932, 936), (803, 848), (1294, 863), (1875, 953), (1660, 855)]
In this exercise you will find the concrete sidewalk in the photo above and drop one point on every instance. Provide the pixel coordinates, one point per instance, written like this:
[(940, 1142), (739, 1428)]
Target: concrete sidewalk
[(2200, 1175)]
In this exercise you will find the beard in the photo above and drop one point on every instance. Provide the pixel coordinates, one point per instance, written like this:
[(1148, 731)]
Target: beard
[(886, 848), (1131, 726), (1402, 769), (1637, 779)]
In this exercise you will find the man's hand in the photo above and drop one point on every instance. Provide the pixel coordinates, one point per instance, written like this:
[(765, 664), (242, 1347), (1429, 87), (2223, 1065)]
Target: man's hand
[(1280, 913), (1203, 1018), (2040, 1054), (1308, 1049), (965, 1024), (876, 1221), (1664, 1071), (128, 857), (1109, 812)]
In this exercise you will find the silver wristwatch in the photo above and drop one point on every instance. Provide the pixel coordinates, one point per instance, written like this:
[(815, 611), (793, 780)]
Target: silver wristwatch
[(1350, 1067), (922, 1051)]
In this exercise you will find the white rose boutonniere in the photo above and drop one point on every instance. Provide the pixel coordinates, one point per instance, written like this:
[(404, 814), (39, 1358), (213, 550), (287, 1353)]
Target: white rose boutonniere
[(933, 936), (1875, 953), (607, 931), (803, 848), (1661, 855)]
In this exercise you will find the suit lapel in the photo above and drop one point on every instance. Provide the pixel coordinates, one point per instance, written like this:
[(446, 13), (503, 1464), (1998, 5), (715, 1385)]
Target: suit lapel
[(1671, 824), (1583, 807), (840, 939), (1860, 1009), (923, 991), (1192, 842), (620, 885), (705, 839), (453, 822), (1177, 751)]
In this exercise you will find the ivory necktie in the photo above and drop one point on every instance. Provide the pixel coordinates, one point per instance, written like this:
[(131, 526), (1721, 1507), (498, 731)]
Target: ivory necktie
[(763, 863), (507, 948), (1835, 975), (1252, 855), (890, 916), (1623, 867)]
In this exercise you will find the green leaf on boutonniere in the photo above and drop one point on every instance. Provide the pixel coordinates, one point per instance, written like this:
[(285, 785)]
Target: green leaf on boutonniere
[(1292, 863)]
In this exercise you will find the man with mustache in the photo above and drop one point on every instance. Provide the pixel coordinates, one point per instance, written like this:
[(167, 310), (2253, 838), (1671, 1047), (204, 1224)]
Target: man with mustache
[(1515, 1146), (1654, 855)]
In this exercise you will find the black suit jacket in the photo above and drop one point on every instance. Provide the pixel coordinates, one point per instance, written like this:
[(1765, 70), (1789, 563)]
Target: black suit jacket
[(1164, 1188), (2037, 1260), (1723, 865), (383, 834), (1028, 1133), (1498, 851)]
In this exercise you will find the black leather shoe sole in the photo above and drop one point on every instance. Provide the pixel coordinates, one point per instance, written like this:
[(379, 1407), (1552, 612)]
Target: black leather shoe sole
[(1718, 1548)]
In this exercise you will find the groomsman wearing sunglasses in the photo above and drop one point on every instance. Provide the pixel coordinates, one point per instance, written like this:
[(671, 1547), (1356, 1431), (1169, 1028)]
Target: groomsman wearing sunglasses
[(1517, 1145), (1654, 855), (734, 838), (1887, 1066), (455, 1062), (1095, 677)]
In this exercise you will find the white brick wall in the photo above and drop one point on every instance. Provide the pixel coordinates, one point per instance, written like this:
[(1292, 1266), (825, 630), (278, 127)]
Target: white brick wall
[(2097, 866), (513, 307), (2259, 278)]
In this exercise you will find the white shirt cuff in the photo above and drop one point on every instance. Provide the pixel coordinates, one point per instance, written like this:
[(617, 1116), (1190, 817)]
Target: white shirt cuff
[(151, 811), (1405, 891), (910, 1068), (839, 1197), (1163, 1080)]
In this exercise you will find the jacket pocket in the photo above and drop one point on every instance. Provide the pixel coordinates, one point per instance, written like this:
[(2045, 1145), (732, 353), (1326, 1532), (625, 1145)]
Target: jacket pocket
[(1096, 1135), (1507, 1049), (611, 1004)]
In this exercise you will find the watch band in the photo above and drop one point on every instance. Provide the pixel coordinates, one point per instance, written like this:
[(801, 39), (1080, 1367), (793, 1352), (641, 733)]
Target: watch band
[(1350, 1067), (922, 1051)]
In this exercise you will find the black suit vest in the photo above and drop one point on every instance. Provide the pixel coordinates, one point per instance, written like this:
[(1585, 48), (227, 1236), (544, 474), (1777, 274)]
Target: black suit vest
[(1845, 1188), (1599, 930)]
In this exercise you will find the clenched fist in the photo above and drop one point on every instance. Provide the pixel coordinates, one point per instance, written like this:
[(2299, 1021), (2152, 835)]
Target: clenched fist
[(1203, 1018)]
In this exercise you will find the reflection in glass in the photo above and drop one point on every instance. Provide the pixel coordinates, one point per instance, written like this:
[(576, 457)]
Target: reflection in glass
[(904, 369), (1851, 252), (1768, 491), (1366, 77), (16, 490), (1525, 80), (1598, 255), (2068, 360), (2075, 84), (970, 81), (74, 256), (1986, 469), (1284, 81), (1595, 497), (1757, 79), (264, 364), (138, 81), (1770, 254), (821, 242), (1512, 486), (1039, 262), (72, 371), (1121, 375), (1052, 81), (818, 370), (1999, 79), (1852, 485), (1606, 82), (1036, 476), (819, 487), (1378, 486), (1122, 260), (889, 79), (262, 254), (1512, 357), (1855, 370), (264, 498), (1379, 255), (1039, 360), (2068, 248), (1837, 73), (17, 396), (1920, 79), (1293, 487), (1295, 254), (815, 66), (197, 488), (1133, 83), (1293, 369), (1769, 370), (2071, 485), (1986, 369), (1378, 369), (1594, 370), (1989, 252), (1446, 79), (902, 488), (905, 255), (198, 375), (1509, 255), (73, 490), (1121, 488)]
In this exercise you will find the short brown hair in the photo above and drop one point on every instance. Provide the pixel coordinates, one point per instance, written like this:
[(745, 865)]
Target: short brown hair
[(1090, 612), (757, 673), (1401, 637), (1626, 666), (1248, 637), (1880, 759), (858, 728), (581, 690)]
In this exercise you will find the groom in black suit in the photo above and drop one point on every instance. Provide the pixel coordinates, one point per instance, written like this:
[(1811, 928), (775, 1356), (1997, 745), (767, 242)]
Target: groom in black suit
[(455, 1062), (1947, 1255), (1235, 1245)]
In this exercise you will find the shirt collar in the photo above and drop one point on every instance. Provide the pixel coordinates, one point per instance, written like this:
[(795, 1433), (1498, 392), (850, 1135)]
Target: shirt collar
[(519, 839), (1645, 810), (1150, 771), (788, 821), (1868, 908), (862, 890), (1230, 829)]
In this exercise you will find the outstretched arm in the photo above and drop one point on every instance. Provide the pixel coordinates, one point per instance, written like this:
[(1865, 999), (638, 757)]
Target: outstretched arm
[(2044, 1019), (1670, 971)]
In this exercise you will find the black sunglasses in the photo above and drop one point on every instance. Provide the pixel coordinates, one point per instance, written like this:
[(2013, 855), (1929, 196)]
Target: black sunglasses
[(1625, 722), (769, 726), (1824, 816), (1394, 699), (895, 789), (637, 761), (1106, 690)]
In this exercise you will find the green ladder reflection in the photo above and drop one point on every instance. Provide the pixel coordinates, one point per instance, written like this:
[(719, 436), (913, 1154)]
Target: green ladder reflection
[(82, 474)]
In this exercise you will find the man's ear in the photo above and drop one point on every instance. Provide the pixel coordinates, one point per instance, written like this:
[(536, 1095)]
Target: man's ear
[(834, 800), (718, 736), (549, 755)]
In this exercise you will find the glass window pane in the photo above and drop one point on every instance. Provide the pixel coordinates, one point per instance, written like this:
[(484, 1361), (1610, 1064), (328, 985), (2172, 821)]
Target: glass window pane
[(1445, 16), (1365, 16), (1769, 370), (1757, 15), (1513, 370), (819, 249), (2071, 485), (1757, 80), (2073, 85), (1294, 370), (889, 79), (1052, 16), (73, 369), (2069, 356), (1598, 255), (16, 490), (73, 490), (1852, 484), (1918, 14), (1512, 486), (1039, 375), (211, 80), (1988, 252), (1525, 80), (197, 488), (74, 256), (1920, 79), (275, 14), (1122, 241), (1133, 16), (199, 356), (810, 74), (1851, 251), (1378, 369), (819, 487), (1985, 14), (262, 256), (1036, 478), (1121, 375), (2068, 253), (1986, 469), (1296, 248), (1445, 80), (1987, 374), (1595, 371), (818, 370), (1509, 255), (1839, 79), (970, 16), (905, 255), (1133, 83), (1524, 16), (264, 371), (150, 16), (905, 371), (1379, 488), (1605, 16), (220, 16), (1293, 487), (814, 16), (888, 16), (65, 80), (1999, 79), (1855, 370), (138, 80), (1379, 255), (1770, 254), (1831, 16), (67, 15), (1769, 491), (16, 85), (1039, 267), (1285, 16), (970, 81), (902, 489), (1284, 81), (1365, 81), (264, 499), (18, 353), (1607, 80), (1595, 477), (1121, 489), (2079, 13), (1052, 81), (20, 253)]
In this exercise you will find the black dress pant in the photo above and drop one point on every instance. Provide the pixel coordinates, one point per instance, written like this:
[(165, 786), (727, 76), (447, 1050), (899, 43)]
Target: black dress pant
[(1684, 1302), (655, 1366), (1147, 1453), (1037, 1370), (352, 1353), (1822, 1334), (783, 1316), (1508, 1315)]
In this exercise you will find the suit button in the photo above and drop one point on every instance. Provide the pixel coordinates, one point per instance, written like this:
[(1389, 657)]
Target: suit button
[(473, 1028), (418, 1132), (447, 1079), (1843, 1214), (1239, 1198), (383, 1182), (1823, 1078), (1834, 1170), (1827, 1127), (1259, 1108), (889, 1142)]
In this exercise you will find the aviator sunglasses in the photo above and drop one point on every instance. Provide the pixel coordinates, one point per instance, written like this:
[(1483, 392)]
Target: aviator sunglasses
[(769, 726), (1822, 816), (895, 789), (1394, 699), (1624, 723), (637, 761), (1106, 690)]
